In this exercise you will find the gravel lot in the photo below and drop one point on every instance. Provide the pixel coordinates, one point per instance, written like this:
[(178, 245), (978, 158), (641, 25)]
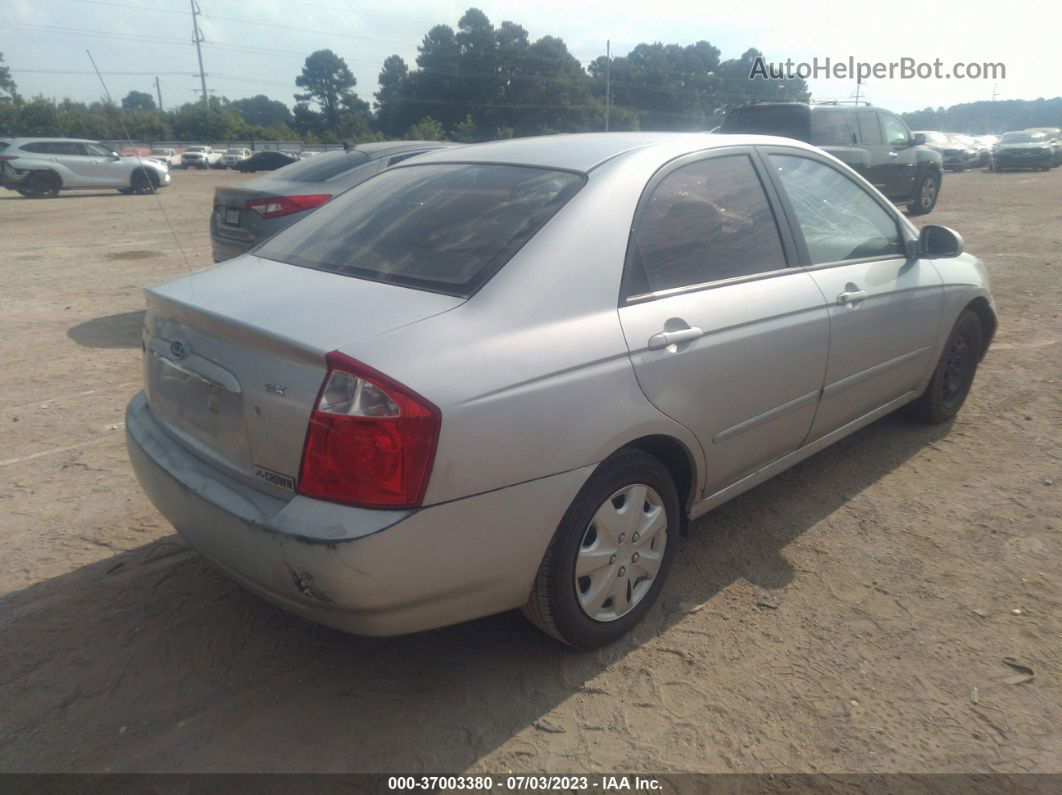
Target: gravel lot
[(906, 562)]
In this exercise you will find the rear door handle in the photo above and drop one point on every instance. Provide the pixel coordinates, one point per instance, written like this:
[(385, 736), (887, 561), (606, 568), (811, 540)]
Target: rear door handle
[(851, 296), (893, 154), (664, 338)]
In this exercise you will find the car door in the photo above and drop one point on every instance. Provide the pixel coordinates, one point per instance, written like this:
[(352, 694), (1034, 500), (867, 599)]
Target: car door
[(725, 337), (872, 142), (884, 306), (96, 166), (901, 167)]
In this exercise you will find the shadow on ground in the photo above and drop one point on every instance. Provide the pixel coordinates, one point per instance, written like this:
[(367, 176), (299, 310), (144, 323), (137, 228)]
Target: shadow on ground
[(153, 661), (112, 331)]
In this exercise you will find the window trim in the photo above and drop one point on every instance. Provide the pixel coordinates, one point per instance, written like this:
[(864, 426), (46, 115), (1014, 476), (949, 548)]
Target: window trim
[(790, 250), (905, 234)]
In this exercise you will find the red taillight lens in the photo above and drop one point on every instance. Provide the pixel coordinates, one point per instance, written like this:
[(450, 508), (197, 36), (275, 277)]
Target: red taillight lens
[(371, 441), (8, 157), (276, 206)]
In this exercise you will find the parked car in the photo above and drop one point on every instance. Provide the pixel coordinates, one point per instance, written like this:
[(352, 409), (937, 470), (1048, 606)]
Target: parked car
[(980, 153), (1054, 138), (246, 214), (957, 154), (199, 157), (1023, 149), (166, 155), (41, 167), (268, 160), (233, 157), (873, 141), (508, 375)]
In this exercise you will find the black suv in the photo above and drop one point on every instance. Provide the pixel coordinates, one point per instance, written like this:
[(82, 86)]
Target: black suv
[(873, 141)]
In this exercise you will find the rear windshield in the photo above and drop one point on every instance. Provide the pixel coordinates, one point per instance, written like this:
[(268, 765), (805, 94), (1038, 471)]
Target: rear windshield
[(1023, 137), (326, 166), (446, 228), (788, 121)]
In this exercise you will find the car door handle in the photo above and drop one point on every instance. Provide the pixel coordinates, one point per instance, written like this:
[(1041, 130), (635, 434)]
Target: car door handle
[(851, 296), (664, 338), (893, 154)]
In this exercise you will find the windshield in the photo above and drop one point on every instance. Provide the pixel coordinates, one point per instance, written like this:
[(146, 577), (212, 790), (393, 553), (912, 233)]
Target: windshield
[(446, 228), (324, 167), (1022, 137), (196, 149)]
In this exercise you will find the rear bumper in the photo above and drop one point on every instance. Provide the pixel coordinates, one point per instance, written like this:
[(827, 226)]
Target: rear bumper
[(367, 571)]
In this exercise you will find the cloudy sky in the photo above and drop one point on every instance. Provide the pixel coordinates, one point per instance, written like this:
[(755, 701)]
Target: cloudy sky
[(257, 46)]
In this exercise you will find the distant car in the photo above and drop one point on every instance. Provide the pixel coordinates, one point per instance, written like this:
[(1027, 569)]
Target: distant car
[(981, 152), (1054, 138), (957, 154), (873, 141), (1023, 149), (165, 155), (199, 157), (41, 167), (510, 375), (233, 157), (268, 160), (246, 214)]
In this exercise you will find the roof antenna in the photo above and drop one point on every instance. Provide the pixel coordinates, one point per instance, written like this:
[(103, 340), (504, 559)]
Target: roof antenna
[(140, 161)]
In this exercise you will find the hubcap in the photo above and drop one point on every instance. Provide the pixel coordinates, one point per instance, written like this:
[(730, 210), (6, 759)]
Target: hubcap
[(929, 190), (621, 552), (956, 370)]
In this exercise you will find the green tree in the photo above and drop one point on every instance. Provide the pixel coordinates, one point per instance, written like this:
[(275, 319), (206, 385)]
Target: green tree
[(465, 131), (138, 100), (427, 129), (392, 79), (261, 111), (7, 83), (329, 83)]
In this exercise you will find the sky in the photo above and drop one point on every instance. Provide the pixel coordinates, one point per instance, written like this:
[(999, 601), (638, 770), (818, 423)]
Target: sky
[(258, 46)]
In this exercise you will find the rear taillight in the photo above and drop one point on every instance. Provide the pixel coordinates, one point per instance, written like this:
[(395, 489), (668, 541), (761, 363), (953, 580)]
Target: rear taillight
[(276, 206), (8, 157), (371, 441)]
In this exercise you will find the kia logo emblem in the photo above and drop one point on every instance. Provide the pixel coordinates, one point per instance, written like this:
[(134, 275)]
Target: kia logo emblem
[(178, 350)]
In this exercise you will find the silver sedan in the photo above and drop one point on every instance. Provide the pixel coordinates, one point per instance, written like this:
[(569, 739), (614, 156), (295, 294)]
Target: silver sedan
[(508, 375)]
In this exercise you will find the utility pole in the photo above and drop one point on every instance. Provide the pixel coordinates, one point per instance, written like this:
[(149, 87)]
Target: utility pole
[(159, 92), (198, 38), (608, 80)]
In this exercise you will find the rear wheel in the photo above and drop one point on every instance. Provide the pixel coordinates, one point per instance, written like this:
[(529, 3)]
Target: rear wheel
[(610, 555), (951, 381), (44, 185), (926, 196)]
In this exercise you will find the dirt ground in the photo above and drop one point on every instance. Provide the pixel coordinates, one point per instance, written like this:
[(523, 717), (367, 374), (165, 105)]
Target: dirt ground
[(906, 562)]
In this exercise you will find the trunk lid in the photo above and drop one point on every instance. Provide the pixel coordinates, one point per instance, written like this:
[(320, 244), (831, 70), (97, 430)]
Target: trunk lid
[(234, 357)]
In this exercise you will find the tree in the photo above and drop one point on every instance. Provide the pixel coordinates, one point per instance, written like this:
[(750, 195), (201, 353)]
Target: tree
[(261, 111), (393, 78), (427, 129), (7, 83), (328, 82), (138, 100)]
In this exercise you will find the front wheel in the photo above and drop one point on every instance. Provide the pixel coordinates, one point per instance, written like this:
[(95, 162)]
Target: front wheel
[(144, 182), (951, 381), (926, 196), (610, 555)]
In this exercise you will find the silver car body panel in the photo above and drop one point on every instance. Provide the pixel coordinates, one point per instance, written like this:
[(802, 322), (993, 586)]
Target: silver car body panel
[(539, 376)]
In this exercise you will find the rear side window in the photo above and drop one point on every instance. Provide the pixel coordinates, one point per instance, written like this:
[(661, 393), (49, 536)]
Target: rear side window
[(37, 147), (706, 221), (840, 221), (788, 121), (830, 128), (446, 228), (869, 131), (326, 166)]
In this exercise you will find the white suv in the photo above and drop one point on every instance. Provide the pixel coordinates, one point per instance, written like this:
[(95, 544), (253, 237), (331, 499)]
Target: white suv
[(200, 157), (41, 167), (234, 157)]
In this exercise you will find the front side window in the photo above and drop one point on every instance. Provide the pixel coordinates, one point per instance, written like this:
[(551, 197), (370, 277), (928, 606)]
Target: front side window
[(706, 221), (869, 131), (441, 227), (840, 221), (896, 133)]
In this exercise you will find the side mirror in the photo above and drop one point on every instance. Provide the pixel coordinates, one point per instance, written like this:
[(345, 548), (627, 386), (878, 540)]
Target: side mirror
[(919, 139), (116, 156), (939, 242)]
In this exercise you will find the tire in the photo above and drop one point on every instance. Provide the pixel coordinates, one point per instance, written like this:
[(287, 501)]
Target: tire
[(556, 603), (143, 182), (24, 193), (925, 198), (44, 185), (954, 374)]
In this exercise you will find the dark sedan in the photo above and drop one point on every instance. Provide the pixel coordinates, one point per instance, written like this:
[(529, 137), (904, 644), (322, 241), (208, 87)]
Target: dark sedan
[(1024, 149), (265, 161)]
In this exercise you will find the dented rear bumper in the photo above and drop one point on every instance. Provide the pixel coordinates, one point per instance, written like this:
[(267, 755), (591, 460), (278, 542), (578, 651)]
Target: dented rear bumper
[(373, 572)]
